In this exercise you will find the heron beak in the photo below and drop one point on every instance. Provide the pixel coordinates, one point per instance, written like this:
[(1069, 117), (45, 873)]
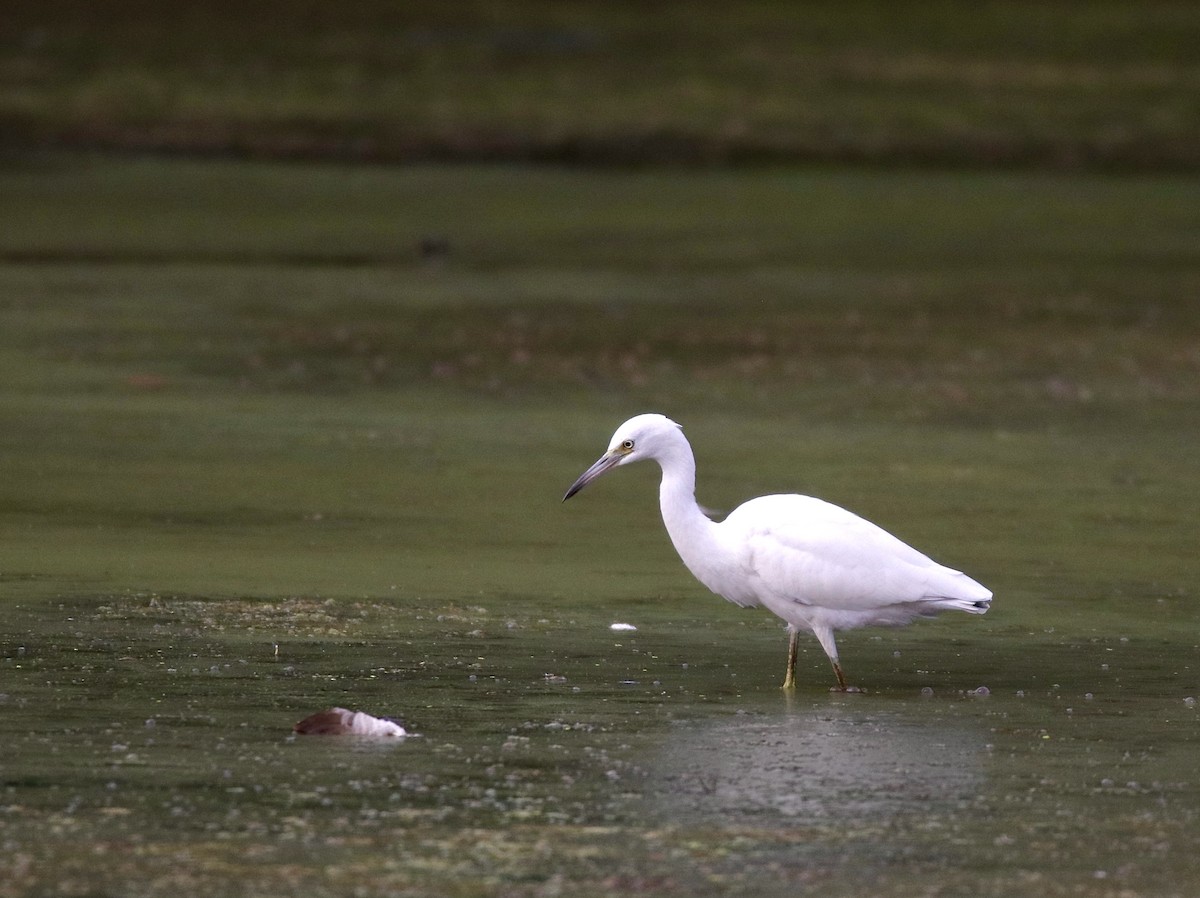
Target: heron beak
[(606, 461)]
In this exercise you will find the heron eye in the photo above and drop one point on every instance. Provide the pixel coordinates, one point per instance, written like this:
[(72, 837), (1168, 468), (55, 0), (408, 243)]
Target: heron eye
[(627, 445)]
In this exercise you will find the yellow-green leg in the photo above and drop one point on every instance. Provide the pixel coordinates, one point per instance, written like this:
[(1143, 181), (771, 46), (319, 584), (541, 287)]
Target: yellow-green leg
[(789, 681)]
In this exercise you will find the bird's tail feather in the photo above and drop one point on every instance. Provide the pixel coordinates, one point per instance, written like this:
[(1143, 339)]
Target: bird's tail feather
[(958, 592), (971, 606)]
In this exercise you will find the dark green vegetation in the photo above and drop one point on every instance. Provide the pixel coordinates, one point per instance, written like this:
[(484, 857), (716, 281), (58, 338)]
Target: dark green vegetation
[(262, 456), (1059, 84)]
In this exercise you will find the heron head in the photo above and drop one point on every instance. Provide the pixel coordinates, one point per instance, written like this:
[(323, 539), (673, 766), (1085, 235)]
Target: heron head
[(643, 436)]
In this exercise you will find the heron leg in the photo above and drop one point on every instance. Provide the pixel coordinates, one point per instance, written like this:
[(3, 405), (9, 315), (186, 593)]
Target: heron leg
[(789, 681), (825, 635), (841, 686), (841, 677)]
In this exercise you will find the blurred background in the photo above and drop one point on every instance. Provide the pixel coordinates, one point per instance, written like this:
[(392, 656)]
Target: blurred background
[(933, 222), (1054, 85)]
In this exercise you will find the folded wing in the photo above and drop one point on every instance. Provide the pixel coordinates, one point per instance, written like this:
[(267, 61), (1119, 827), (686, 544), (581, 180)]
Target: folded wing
[(808, 551)]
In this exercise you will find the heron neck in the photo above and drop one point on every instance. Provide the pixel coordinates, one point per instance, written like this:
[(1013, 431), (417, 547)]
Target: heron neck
[(691, 531)]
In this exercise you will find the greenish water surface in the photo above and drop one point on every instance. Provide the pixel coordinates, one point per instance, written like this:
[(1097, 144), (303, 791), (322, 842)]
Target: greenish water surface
[(260, 458)]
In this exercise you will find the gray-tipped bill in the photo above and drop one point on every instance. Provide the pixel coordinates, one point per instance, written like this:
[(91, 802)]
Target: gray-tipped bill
[(606, 461)]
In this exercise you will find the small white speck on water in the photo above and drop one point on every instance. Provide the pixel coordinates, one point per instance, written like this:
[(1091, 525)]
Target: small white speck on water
[(1190, 701), (980, 692), (621, 626), (1087, 696), (926, 691)]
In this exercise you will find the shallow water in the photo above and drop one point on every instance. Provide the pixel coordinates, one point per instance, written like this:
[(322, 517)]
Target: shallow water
[(156, 731)]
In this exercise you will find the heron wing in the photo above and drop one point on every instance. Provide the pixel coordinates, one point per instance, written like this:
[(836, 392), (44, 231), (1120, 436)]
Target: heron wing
[(812, 552)]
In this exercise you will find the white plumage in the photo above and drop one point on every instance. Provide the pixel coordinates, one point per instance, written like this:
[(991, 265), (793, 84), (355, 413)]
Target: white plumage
[(817, 566)]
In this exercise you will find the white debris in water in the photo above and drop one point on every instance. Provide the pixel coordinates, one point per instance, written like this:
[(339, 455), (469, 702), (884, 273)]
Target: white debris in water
[(1190, 701), (340, 722), (621, 626), (981, 692)]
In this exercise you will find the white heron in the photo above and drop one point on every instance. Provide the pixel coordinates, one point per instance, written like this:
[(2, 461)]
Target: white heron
[(817, 566)]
